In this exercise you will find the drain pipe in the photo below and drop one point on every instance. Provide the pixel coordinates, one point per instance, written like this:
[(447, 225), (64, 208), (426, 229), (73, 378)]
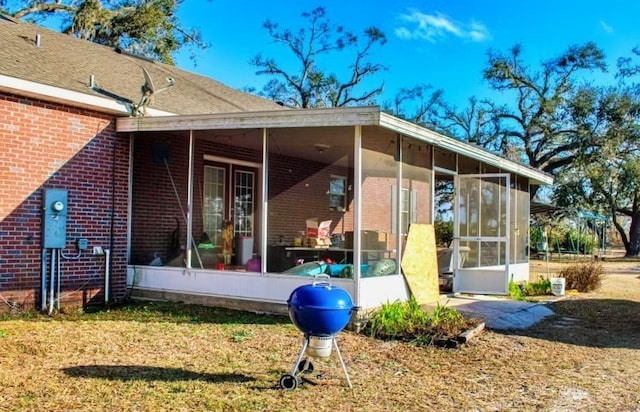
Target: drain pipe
[(107, 269), (52, 280), (59, 251), (43, 286)]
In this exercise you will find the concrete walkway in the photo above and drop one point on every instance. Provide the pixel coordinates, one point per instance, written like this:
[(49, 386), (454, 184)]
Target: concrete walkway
[(498, 313)]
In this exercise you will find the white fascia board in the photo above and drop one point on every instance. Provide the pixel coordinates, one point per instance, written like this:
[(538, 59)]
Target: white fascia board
[(59, 95), (454, 145), (252, 120)]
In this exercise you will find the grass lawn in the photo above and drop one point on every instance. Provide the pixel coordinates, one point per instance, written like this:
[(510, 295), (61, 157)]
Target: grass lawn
[(158, 356)]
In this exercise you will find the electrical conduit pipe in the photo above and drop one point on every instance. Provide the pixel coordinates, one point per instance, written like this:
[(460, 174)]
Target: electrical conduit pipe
[(107, 254)]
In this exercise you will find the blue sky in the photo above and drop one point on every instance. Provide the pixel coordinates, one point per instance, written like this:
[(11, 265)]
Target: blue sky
[(441, 43)]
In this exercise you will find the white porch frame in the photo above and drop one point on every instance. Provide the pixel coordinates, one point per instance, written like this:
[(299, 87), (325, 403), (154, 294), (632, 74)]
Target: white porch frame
[(269, 289)]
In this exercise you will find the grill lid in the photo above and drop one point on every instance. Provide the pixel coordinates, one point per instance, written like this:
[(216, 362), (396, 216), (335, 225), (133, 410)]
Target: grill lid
[(320, 309)]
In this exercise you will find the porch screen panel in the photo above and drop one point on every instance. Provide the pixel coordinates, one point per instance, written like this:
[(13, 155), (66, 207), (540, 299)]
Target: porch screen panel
[(380, 200), (310, 181), (520, 220), (416, 182)]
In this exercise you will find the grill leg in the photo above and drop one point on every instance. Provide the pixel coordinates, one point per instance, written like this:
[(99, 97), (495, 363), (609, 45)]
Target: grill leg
[(344, 367), (305, 343)]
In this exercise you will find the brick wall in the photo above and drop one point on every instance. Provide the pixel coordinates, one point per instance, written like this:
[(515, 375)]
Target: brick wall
[(47, 145)]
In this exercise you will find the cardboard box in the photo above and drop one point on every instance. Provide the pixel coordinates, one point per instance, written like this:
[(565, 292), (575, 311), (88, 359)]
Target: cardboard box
[(324, 230), (312, 228), (371, 240), (320, 230), (319, 243)]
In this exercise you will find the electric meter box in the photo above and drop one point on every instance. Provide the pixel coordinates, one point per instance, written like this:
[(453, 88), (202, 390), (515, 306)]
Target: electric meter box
[(82, 243), (54, 219)]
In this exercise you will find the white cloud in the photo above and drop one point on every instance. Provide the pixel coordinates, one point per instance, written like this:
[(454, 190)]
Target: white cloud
[(435, 27), (478, 32), (608, 29)]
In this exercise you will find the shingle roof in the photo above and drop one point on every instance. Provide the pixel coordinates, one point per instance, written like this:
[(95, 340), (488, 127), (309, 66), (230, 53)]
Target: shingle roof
[(66, 62)]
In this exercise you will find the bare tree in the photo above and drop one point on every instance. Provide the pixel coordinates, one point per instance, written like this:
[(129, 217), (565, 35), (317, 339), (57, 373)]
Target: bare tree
[(418, 104), (309, 84)]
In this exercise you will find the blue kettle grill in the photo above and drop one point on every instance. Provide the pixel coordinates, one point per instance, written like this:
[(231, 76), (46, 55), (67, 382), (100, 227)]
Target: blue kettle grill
[(320, 311)]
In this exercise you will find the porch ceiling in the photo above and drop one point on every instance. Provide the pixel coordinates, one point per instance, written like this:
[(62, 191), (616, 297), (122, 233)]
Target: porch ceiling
[(312, 121)]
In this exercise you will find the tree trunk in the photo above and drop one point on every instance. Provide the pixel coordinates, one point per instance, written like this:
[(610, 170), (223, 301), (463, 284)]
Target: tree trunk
[(633, 246)]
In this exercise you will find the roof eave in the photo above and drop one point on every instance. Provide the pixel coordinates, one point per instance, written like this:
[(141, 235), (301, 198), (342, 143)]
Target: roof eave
[(345, 116), (252, 120), (407, 128), (64, 96)]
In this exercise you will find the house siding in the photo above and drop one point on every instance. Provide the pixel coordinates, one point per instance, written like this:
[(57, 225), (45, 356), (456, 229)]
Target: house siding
[(45, 146)]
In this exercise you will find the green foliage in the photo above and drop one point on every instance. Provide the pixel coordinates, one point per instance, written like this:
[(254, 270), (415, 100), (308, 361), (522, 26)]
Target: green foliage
[(536, 234), (147, 28), (407, 321), (584, 277), (164, 311), (444, 233), (241, 335), (516, 290), (447, 320), (581, 243), (606, 178), (540, 115), (520, 291), (396, 319), (539, 288)]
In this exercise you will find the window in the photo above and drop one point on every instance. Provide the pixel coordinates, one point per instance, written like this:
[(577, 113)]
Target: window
[(404, 211), (408, 209), (338, 193), (218, 208), (244, 203), (213, 203)]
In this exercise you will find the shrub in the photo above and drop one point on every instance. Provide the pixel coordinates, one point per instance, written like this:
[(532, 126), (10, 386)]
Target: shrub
[(584, 277), (407, 321), (444, 232), (520, 291), (516, 290), (396, 319), (573, 239), (539, 288)]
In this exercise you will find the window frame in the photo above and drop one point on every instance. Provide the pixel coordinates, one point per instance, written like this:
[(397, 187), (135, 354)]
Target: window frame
[(341, 196)]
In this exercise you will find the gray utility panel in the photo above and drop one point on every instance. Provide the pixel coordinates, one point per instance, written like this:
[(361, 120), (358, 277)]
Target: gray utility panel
[(54, 218)]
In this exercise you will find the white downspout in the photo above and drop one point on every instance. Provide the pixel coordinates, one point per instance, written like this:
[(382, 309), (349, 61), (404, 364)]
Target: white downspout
[(107, 274), (43, 286), (52, 280), (59, 257)]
